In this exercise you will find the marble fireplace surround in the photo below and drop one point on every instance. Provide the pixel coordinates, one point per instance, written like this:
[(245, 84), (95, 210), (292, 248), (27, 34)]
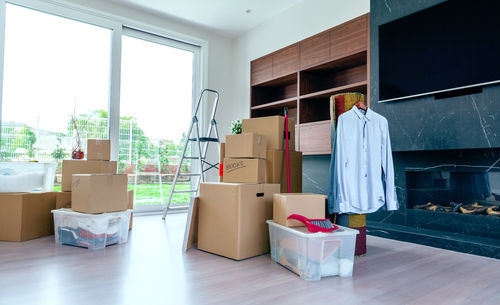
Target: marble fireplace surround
[(478, 234)]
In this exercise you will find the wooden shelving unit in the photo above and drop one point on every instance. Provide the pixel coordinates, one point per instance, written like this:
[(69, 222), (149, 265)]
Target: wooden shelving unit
[(304, 75)]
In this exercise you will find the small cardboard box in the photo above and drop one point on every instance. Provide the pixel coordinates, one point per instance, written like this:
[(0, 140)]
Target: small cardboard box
[(222, 154), (63, 200), (98, 149), (311, 206), (244, 170), (99, 193), (71, 167), (130, 195), (25, 216), (272, 127), (246, 145), (232, 218), (276, 170)]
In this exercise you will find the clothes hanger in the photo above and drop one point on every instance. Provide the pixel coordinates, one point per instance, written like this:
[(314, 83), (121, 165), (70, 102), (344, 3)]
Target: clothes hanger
[(361, 105)]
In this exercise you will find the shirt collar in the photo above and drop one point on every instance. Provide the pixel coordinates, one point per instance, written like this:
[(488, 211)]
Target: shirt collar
[(367, 116)]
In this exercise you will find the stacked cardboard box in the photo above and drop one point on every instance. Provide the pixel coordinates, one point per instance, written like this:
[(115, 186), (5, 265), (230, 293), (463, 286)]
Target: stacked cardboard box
[(93, 186), (232, 215), (273, 128)]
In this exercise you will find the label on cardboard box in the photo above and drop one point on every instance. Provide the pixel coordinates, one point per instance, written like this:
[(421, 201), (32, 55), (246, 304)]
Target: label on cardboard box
[(232, 218), (246, 145), (99, 193), (71, 167), (311, 206), (244, 170)]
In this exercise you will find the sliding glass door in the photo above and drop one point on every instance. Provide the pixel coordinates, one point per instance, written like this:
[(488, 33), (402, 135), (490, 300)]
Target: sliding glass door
[(155, 111)]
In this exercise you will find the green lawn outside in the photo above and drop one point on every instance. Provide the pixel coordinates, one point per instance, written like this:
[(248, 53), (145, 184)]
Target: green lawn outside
[(147, 194)]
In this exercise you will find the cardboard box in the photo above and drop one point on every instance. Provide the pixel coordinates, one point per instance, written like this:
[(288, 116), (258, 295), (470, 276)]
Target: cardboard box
[(98, 149), (99, 193), (244, 170), (232, 218), (276, 170), (246, 145), (71, 167), (63, 200), (311, 206), (295, 173), (130, 195), (25, 216), (222, 154), (273, 128)]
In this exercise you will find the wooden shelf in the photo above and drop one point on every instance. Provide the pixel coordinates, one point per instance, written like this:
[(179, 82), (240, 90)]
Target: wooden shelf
[(289, 102), (357, 87), (304, 75)]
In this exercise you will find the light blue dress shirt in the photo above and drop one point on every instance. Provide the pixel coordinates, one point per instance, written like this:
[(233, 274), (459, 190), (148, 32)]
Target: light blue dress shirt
[(362, 172)]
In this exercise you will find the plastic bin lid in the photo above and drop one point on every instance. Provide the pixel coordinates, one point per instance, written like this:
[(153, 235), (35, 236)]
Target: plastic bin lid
[(341, 231), (71, 212)]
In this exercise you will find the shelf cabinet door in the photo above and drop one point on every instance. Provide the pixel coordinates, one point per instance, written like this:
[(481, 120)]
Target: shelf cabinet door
[(285, 61), (349, 38), (315, 138), (261, 69), (314, 50)]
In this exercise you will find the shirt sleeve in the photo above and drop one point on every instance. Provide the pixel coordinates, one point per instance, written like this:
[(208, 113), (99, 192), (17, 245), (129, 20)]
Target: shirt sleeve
[(391, 199)]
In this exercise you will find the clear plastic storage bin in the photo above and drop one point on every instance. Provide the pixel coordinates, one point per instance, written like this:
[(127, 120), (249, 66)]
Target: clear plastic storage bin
[(313, 255), (27, 177), (93, 231)]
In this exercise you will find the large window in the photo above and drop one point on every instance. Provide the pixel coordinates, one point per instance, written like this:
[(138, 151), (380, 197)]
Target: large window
[(53, 67), (130, 86)]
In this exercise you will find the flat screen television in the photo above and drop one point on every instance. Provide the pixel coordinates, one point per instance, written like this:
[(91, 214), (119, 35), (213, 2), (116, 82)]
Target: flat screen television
[(449, 46)]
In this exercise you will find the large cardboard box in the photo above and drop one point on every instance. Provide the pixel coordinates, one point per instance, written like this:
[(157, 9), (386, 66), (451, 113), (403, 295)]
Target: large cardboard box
[(71, 167), (311, 206), (98, 149), (246, 145), (244, 170), (276, 170), (222, 154), (99, 193), (63, 200), (24, 216), (273, 128), (232, 218)]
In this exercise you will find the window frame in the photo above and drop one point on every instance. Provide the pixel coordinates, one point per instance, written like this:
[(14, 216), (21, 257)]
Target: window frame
[(118, 25)]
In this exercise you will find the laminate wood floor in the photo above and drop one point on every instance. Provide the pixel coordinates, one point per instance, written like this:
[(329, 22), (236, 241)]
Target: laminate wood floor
[(152, 269)]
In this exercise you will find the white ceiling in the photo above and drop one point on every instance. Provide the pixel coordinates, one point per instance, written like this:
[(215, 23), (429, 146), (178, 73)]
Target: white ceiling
[(226, 17)]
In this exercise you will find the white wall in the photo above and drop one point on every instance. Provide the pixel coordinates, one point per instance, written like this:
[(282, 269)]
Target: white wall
[(299, 22), (218, 74), (219, 59)]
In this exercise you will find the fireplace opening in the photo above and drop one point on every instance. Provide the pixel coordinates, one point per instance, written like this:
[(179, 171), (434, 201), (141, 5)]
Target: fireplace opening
[(456, 190)]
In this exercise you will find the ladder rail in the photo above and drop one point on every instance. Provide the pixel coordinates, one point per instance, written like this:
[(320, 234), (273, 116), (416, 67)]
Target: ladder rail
[(202, 152)]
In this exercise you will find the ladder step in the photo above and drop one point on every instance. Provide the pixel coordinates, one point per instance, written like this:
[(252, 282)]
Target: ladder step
[(188, 174), (205, 139), (185, 191), (192, 158)]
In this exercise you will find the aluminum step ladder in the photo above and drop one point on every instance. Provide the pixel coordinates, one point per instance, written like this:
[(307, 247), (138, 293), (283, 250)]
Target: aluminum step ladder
[(202, 149)]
